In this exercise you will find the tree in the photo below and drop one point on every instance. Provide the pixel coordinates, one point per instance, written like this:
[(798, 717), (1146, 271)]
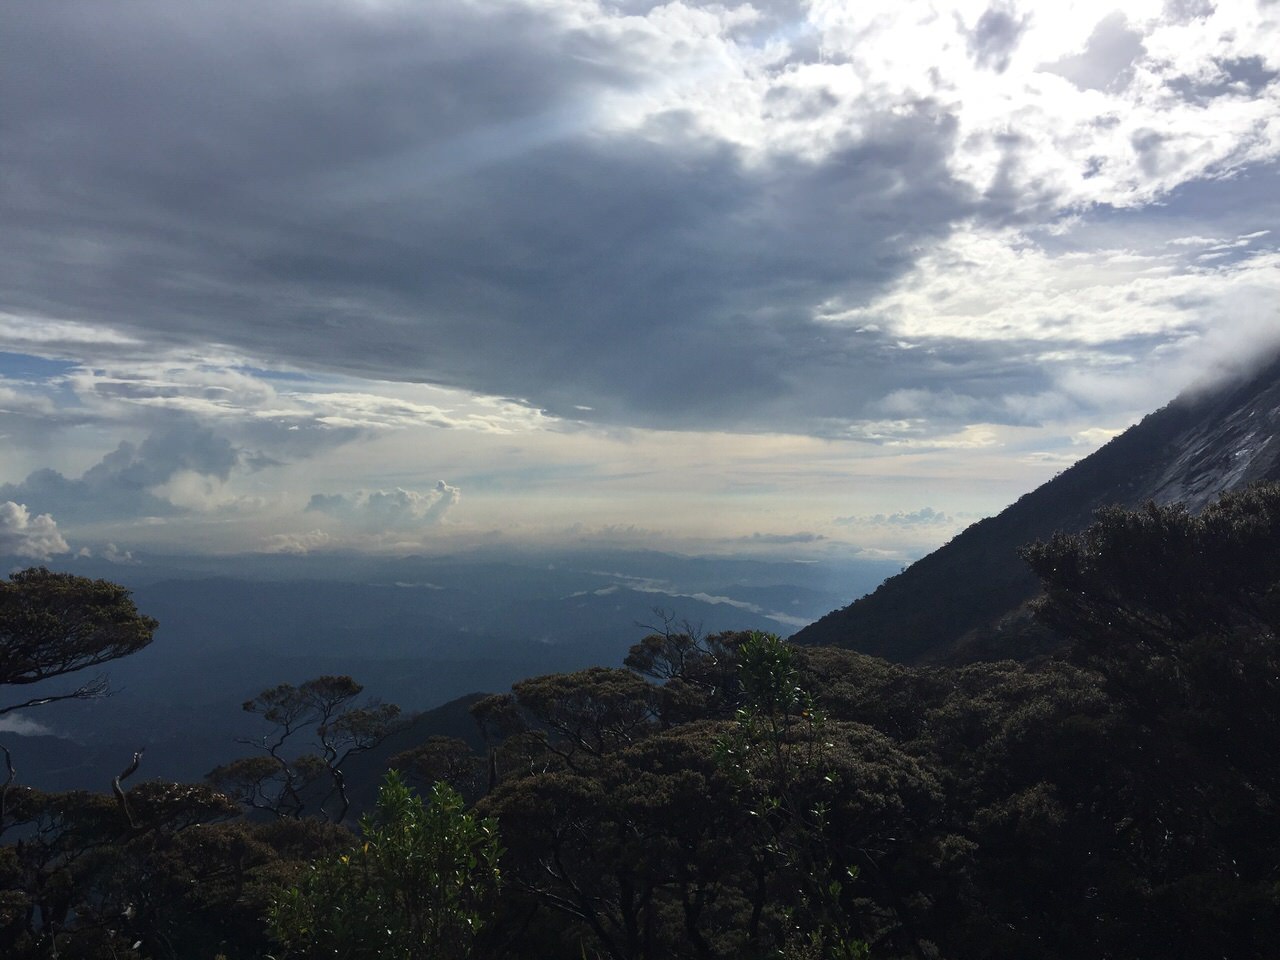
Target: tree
[(589, 712), (52, 624), (442, 758), (420, 884), (1180, 616), (81, 874), (698, 671), (279, 779), (775, 753), (634, 854), (1149, 582)]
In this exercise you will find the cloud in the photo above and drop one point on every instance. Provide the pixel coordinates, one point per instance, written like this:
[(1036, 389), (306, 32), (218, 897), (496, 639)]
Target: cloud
[(123, 483), (1107, 61), (922, 434), (28, 537), (113, 554), (282, 408), (1225, 77), (376, 511), (924, 517), (161, 455), (1094, 436), (22, 726), (368, 411), (994, 37), (296, 543), (630, 214), (775, 539)]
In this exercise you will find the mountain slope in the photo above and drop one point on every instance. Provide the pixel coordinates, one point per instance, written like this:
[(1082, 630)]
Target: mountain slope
[(1192, 450)]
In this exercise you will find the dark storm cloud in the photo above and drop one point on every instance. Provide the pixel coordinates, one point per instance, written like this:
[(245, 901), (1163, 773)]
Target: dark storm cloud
[(420, 194)]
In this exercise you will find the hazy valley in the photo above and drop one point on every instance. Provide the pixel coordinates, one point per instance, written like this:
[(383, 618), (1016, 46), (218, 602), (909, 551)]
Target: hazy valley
[(415, 631)]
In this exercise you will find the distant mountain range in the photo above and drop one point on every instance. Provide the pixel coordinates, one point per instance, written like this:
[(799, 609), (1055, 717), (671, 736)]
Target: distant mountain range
[(957, 602)]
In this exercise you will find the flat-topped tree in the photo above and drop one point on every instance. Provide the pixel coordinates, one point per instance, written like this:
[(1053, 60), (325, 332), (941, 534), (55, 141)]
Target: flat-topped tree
[(53, 624), (282, 776)]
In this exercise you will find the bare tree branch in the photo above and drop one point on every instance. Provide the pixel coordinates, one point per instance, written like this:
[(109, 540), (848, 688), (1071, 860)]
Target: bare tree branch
[(119, 790), (95, 688)]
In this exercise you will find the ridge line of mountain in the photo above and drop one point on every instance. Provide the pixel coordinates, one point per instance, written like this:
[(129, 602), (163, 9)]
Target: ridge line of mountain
[(1203, 443)]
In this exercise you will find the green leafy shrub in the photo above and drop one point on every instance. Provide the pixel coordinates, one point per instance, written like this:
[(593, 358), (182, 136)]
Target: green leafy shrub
[(420, 883)]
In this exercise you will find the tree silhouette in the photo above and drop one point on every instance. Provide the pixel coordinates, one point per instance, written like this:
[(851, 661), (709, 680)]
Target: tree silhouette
[(279, 779)]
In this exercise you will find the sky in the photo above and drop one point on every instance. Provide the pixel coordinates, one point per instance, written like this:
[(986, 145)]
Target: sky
[(793, 277)]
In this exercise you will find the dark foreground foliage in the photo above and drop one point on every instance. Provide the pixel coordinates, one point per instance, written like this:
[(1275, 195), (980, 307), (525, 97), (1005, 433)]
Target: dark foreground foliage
[(734, 796)]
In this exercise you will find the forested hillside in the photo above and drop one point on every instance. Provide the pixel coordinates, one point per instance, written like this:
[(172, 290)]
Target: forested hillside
[(730, 795)]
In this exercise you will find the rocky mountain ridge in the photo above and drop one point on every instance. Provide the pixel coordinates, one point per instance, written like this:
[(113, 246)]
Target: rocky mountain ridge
[(1204, 443)]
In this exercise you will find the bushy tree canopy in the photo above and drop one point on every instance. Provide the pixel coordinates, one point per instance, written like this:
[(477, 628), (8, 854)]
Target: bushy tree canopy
[(53, 624)]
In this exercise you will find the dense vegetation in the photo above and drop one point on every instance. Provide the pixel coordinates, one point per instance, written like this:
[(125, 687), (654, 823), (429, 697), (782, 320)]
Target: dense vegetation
[(736, 796)]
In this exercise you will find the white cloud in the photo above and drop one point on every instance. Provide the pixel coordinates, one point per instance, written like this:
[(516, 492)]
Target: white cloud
[(1094, 436), (1004, 285), (296, 543), (113, 554), (22, 726), (452, 409), (924, 517), (1078, 89), (228, 388), (920, 433), (28, 537), (47, 336), (202, 388), (20, 398), (783, 539), (376, 511)]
